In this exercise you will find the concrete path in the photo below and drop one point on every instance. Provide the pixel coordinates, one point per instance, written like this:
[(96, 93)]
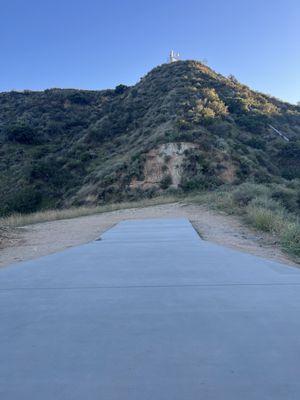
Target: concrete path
[(150, 312)]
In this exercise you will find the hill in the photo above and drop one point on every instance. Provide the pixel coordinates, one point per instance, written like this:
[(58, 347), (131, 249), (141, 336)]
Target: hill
[(182, 127)]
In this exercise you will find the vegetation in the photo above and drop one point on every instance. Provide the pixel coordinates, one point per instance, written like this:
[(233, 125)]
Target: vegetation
[(75, 148), (17, 220), (269, 208), (63, 148)]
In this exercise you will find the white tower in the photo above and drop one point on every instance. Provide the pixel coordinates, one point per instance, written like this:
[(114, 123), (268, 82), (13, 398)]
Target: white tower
[(173, 56)]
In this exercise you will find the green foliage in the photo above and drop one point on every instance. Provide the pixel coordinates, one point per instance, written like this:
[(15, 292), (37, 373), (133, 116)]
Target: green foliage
[(290, 151), (22, 133), (24, 201), (267, 208), (261, 218), (257, 143), (289, 158), (288, 197), (79, 98), (264, 219), (166, 181), (52, 172), (255, 123), (290, 238), (120, 89), (198, 182), (77, 146)]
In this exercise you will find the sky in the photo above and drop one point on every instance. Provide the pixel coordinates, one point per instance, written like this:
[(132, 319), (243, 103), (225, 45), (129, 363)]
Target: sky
[(96, 44)]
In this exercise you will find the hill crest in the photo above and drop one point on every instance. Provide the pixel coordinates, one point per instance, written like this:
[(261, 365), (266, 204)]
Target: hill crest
[(63, 147)]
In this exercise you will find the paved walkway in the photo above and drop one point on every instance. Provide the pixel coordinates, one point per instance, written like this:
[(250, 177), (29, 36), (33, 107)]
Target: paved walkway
[(150, 312)]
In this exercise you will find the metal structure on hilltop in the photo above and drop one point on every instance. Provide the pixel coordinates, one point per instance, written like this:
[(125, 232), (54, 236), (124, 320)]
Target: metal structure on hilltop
[(173, 57)]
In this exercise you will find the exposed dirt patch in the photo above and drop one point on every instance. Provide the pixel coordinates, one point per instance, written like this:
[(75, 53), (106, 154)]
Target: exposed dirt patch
[(49, 237), (165, 160), (228, 174)]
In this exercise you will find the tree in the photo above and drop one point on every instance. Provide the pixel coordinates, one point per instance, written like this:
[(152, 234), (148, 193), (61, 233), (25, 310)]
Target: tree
[(120, 89), (21, 133), (233, 78)]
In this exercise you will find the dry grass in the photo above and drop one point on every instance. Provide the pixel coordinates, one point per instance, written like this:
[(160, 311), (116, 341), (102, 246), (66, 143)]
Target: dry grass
[(16, 220), (254, 204), (290, 239), (266, 220), (251, 202)]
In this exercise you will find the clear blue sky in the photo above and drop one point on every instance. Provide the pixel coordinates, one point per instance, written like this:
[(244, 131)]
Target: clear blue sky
[(96, 44)]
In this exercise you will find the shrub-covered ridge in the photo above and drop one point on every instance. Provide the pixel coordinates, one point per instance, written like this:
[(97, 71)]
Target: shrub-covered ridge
[(64, 147)]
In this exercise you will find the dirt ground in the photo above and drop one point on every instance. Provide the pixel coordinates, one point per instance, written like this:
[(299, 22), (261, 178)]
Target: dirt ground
[(38, 240)]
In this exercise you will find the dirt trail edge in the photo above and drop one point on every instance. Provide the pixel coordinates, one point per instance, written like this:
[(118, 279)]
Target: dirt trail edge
[(41, 239)]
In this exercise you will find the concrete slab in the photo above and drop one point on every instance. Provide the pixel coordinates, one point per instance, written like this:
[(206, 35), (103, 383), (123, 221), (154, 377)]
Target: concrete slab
[(151, 311)]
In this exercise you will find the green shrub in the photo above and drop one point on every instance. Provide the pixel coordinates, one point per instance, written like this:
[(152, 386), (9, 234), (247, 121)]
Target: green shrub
[(246, 192), (287, 197), (23, 134), (264, 219), (290, 238), (256, 204), (290, 172), (266, 203), (222, 200), (25, 201), (197, 182), (242, 198), (166, 181), (185, 101), (257, 143), (51, 171), (79, 98), (120, 89)]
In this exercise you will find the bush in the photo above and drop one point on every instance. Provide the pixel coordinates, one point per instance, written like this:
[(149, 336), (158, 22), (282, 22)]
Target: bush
[(198, 182), (257, 143), (290, 239), (120, 89), (262, 208), (51, 172), (22, 134), (78, 98), (290, 172), (265, 219), (25, 201), (166, 182), (267, 203), (222, 200), (287, 197), (246, 192)]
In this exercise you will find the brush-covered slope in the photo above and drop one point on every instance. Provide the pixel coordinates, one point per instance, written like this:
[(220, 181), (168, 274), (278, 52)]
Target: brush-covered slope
[(182, 127)]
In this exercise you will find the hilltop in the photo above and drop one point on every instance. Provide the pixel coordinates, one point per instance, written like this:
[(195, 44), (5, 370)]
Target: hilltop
[(182, 127)]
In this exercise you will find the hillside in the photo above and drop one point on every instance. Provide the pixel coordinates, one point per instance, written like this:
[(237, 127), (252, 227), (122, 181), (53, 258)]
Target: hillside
[(181, 127)]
